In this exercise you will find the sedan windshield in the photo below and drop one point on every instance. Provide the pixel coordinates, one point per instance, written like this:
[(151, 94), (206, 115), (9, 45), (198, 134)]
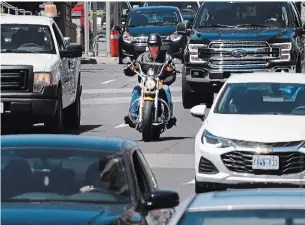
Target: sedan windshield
[(262, 98), (249, 217), (26, 38), (66, 175), (153, 18), (243, 14)]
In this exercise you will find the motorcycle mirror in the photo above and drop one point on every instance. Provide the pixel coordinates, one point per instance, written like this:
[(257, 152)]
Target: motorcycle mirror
[(126, 60)]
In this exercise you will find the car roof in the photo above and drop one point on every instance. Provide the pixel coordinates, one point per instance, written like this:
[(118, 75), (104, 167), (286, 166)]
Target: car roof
[(66, 141), (155, 8), (26, 19), (248, 199), (267, 77)]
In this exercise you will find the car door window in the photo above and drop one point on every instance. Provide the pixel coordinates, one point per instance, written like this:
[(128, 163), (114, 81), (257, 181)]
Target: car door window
[(58, 37)]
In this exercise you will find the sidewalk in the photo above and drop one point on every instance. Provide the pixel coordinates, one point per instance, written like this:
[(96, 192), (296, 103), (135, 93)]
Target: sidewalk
[(99, 60)]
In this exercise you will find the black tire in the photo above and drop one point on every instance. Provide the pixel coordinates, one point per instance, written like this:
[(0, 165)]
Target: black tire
[(147, 127), (207, 99), (72, 114), (188, 97), (55, 123), (156, 133), (299, 67)]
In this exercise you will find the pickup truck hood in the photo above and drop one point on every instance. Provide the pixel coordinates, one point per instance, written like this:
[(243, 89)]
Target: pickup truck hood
[(251, 34), (146, 31), (257, 128), (41, 62), (59, 213)]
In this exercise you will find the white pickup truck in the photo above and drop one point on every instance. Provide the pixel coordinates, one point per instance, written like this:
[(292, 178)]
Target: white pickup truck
[(40, 74)]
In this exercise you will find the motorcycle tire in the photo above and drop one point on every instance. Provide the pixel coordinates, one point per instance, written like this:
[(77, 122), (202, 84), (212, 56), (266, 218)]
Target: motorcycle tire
[(147, 127)]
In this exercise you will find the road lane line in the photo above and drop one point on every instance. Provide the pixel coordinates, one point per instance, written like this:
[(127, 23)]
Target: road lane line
[(108, 81), (122, 125), (190, 182)]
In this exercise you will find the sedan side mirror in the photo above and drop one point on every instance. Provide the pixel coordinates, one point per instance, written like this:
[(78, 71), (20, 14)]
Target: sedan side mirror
[(72, 51), (198, 111), (181, 29), (161, 200)]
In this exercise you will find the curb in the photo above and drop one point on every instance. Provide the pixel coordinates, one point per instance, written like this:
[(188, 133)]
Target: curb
[(88, 61)]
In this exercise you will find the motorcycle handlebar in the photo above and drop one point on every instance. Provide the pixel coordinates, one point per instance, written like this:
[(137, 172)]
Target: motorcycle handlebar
[(143, 75)]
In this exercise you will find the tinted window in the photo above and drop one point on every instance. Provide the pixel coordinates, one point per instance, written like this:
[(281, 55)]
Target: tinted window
[(242, 217), (153, 18), (273, 14), (63, 174), (262, 98), (25, 38)]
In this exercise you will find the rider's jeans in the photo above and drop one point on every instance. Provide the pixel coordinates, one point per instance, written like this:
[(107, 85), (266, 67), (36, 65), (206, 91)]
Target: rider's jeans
[(137, 93)]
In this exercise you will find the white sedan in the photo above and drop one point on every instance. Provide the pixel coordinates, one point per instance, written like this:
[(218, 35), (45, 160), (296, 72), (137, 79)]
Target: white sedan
[(254, 133)]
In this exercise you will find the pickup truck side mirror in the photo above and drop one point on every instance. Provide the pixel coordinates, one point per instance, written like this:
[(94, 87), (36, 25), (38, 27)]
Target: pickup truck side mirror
[(72, 51), (160, 199), (181, 29)]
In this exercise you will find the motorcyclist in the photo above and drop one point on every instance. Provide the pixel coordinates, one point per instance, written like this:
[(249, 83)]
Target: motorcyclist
[(154, 43)]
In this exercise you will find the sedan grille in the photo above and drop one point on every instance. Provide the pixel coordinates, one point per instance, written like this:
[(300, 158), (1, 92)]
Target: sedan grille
[(241, 162), (250, 144), (14, 80)]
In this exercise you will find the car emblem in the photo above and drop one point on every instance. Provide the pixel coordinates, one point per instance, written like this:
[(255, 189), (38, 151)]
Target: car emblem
[(239, 53), (266, 151)]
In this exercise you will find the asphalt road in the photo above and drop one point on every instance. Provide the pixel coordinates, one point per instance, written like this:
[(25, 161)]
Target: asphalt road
[(105, 101)]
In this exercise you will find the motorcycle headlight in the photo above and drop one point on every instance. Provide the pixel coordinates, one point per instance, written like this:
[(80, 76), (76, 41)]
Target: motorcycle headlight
[(150, 84), (41, 80), (174, 37), (208, 138)]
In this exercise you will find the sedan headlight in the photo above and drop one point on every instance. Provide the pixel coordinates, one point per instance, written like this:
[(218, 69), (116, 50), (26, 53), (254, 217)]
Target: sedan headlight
[(41, 80), (150, 84), (208, 138), (174, 37), (285, 51)]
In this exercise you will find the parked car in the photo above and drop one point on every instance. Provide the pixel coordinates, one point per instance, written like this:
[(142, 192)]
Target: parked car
[(253, 135), (238, 37), (40, 74), (143, 21), (68, 179), (256, 206)]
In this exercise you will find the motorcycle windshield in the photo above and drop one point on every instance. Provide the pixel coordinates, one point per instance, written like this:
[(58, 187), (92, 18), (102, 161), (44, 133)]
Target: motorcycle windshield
[(156, 67)]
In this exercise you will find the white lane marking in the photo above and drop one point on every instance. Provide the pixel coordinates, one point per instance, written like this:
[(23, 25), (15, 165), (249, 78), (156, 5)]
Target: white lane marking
[(116, 100), (190, 182), (170, 161), (119, 90), (121, 125), (108, 81)]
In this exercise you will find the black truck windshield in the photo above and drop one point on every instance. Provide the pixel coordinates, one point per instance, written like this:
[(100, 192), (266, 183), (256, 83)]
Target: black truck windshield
[(244, 14)]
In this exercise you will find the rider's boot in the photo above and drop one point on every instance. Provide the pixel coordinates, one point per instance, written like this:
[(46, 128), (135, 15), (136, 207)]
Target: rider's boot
[(173, 120), (129, 121)]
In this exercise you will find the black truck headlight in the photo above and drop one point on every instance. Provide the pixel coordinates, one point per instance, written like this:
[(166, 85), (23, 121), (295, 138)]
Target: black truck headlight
[(284, 51)]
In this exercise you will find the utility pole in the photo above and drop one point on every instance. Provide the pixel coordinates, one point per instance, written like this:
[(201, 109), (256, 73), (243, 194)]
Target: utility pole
[(94, 23), (86, 27), (108, 22)]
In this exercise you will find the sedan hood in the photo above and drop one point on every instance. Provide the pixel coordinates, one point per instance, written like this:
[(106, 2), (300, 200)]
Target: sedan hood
[(257, 128), (146, 31), (58, 213), (41, 62), (253, 33)]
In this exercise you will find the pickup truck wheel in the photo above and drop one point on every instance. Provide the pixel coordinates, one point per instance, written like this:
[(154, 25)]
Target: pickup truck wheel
[(55, 124), (188, 97), (72, 114)]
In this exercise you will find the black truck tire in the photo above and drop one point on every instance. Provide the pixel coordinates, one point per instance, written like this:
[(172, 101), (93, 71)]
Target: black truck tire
[(188, 97)]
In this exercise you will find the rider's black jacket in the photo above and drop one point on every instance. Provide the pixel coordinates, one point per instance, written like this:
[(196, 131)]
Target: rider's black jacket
[(167, 77)]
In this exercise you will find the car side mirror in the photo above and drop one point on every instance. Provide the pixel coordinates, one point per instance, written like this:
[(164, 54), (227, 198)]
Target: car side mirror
[(72, 51), (159, 199), (199, 111), (181, 29), (117, 28)]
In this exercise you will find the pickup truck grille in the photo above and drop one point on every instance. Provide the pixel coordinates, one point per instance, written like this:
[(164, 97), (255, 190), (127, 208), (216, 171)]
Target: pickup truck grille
[(247, 53), (14, 80)]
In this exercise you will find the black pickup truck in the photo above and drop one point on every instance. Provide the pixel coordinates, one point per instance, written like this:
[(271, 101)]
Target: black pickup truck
[(239, 37)]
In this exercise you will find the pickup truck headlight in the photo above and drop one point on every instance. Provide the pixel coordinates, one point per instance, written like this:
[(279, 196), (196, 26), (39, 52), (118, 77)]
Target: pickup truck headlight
[(41, 80), (285, 51), (174, 37), (193, 49), (208, 138)]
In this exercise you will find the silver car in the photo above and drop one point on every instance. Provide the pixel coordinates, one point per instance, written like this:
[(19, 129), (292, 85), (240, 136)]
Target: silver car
[(243, 207)]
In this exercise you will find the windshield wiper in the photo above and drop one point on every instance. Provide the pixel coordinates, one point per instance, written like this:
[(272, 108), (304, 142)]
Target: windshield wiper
[(251, 25), (217, 25)]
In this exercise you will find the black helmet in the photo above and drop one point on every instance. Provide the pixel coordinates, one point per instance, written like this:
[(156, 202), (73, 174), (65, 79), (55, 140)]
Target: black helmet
[(154, 39)]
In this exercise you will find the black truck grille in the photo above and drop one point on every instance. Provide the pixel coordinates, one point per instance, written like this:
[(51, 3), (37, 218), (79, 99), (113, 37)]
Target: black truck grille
[(247, 53), (14, 79), (241, 162)]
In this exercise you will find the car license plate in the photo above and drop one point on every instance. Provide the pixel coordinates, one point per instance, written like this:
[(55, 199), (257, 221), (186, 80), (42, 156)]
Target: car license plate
[(265, 162), (1, 107)]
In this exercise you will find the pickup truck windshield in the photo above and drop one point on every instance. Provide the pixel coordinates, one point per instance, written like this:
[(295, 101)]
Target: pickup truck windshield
[(26, 38), (153, 18), (244, 14), (262, 99)]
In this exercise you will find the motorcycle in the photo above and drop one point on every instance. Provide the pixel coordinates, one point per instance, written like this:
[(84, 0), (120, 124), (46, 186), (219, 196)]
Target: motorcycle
[(154, 113)]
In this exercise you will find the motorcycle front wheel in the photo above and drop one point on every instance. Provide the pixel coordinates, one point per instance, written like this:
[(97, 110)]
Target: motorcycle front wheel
[(147, 122)]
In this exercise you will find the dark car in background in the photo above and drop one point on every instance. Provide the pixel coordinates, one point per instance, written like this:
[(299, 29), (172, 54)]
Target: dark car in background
[(142, 22), (70, 179)]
